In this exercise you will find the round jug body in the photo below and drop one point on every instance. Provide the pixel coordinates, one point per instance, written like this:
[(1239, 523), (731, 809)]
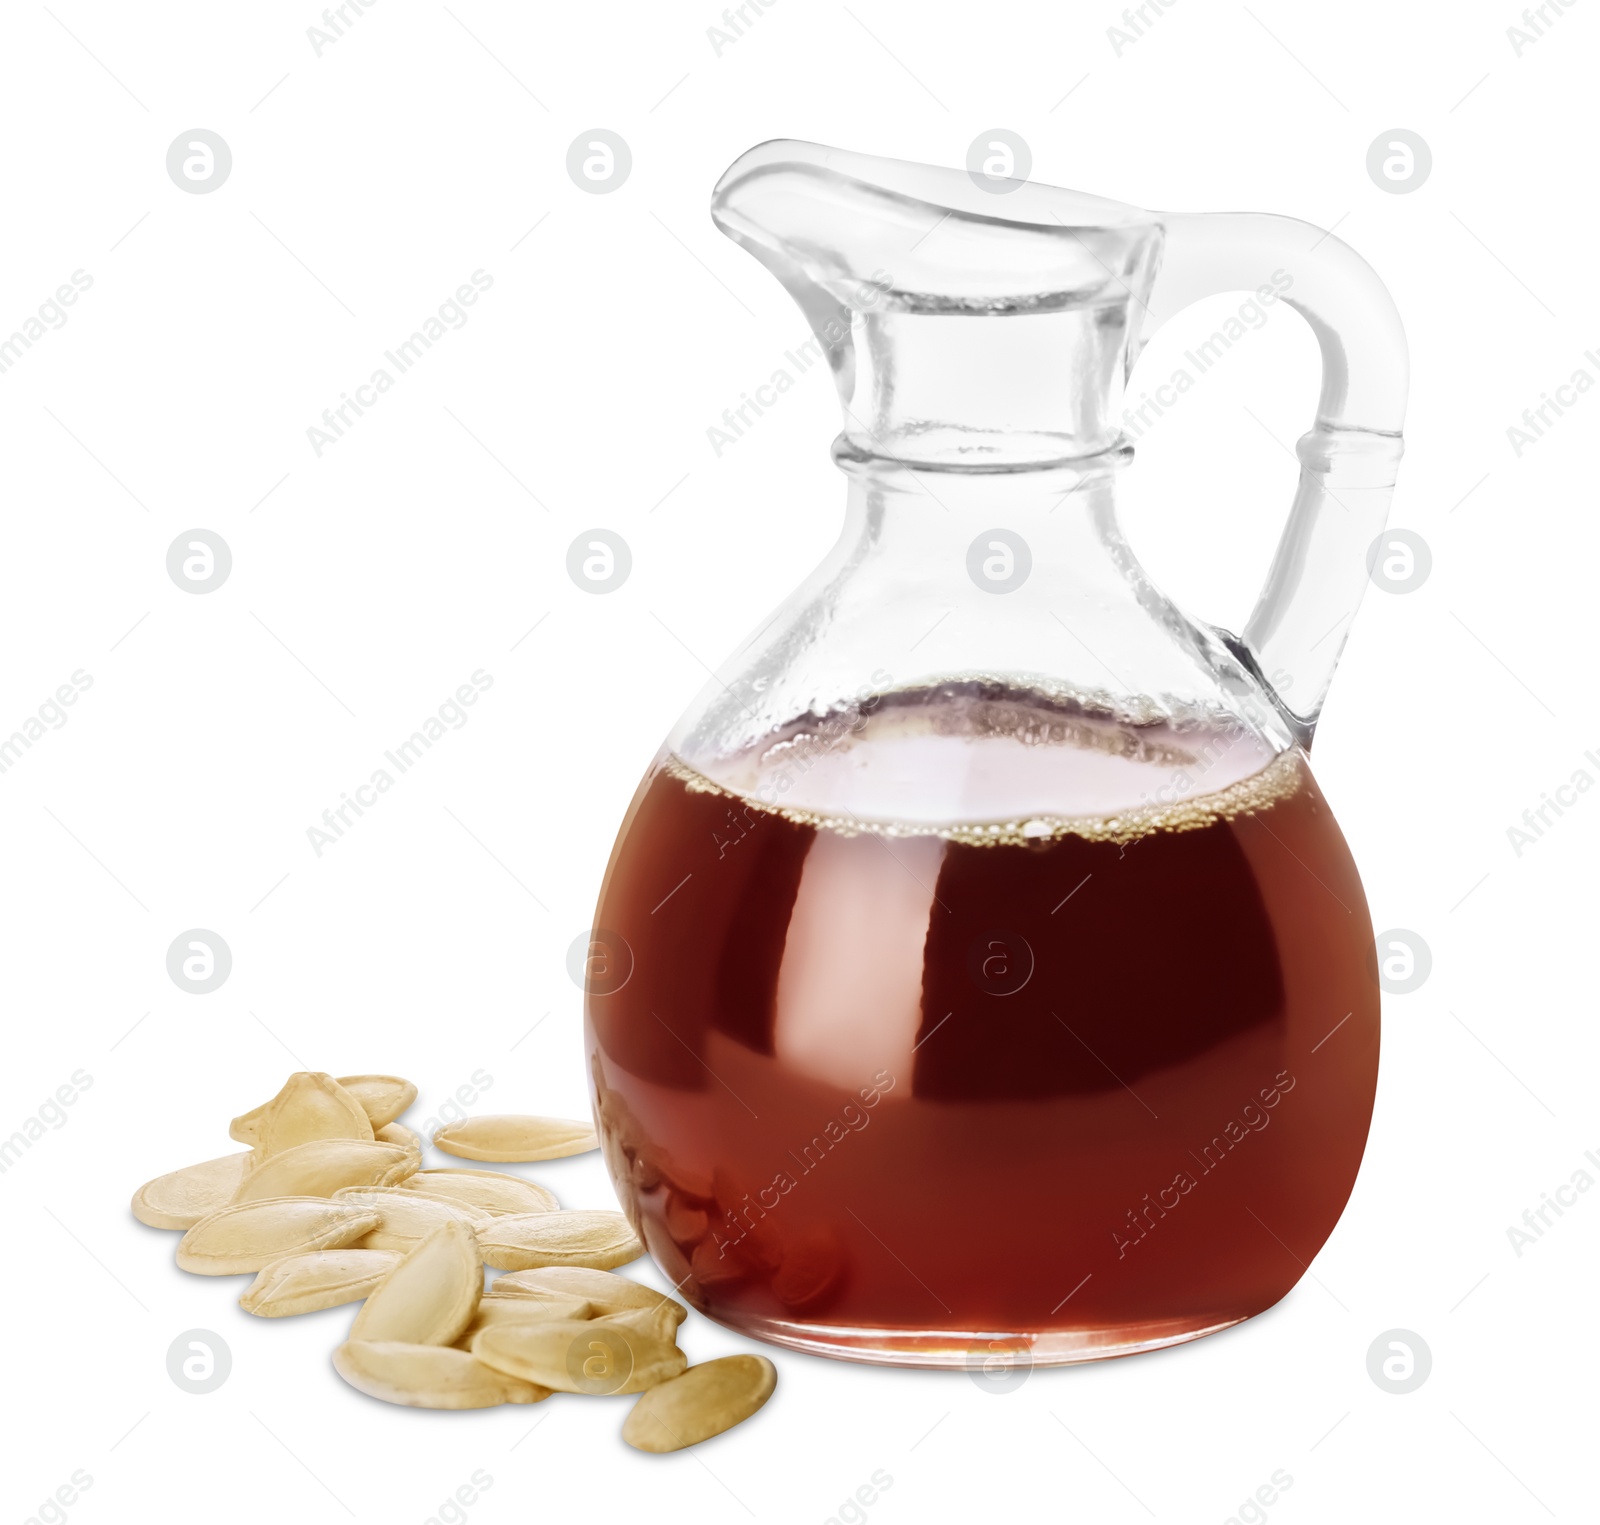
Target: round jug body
[(1071, 1055)]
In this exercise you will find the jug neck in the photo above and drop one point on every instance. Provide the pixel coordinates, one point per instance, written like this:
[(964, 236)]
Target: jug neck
[(1036, 540), (967, 392), (966, 329), (912, 514)]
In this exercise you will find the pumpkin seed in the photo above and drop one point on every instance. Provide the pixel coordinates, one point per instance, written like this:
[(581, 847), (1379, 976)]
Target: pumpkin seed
[(406, 1218), (506, 1137), (686, 1222), (428, 1376), (811, 1269), (383, 1097), (398, 1133), (598, 1356), (181, 1198), (311, 1105), (330, 1206), (249, 1235), (713, 1266), (246, 1127), (706, 1400), (320, 1279), (324, 1166), (605, 1293), (685, 1181), (484, 1192), (596, 1239), (494, 1311), (430, 1296)]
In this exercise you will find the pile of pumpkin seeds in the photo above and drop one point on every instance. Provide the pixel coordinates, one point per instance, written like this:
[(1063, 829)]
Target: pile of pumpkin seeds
[(331, 1204)]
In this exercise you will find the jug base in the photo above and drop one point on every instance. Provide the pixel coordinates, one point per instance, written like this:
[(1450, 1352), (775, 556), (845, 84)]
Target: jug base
[(969, 1350)]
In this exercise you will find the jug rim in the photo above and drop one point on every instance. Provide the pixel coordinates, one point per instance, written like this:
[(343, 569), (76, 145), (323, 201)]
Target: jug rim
[(965, 195)]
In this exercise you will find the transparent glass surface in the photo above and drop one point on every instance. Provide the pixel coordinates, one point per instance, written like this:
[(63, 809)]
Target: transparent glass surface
[(963, 975)]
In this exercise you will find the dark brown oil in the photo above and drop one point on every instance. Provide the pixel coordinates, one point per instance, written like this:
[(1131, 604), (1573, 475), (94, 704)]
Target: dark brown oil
[(1112, 1078)]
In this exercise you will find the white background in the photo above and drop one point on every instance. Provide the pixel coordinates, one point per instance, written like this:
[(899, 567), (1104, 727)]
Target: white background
[(367, 584)]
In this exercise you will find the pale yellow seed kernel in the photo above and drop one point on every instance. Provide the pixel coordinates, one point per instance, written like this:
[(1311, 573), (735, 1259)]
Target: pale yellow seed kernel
[(310, 1106), (382, 1097), (323, 1167), (406, 1218), (398, 1133), (431, 1296), (428, 1376), (181, 1198), (595, 1356), (484, 1191), (316, 1280), (600, 1240), (494, 1311), (604, 1292), (506, 1137), (249, 1235), (706, 1400)]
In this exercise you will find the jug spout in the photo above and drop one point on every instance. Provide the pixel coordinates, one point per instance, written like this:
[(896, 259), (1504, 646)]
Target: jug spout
[(892, 261)]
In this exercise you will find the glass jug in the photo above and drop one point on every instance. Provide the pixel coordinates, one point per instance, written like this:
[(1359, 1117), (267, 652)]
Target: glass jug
[(978, 968)]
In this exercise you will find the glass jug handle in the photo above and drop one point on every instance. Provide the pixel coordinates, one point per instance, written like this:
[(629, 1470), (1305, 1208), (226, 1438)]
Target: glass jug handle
[(1348, 460)]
